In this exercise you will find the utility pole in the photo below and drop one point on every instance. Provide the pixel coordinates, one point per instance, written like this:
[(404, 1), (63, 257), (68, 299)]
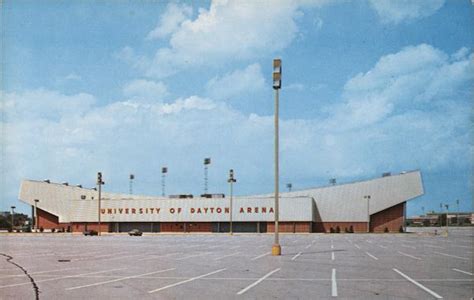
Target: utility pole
[(457, 211), (207, 162), (13, 214), (368, 212), (231, 181), (99, 186), (440, 217), (130, 186), (277, 72), (447, 218), (36, 215), (164, 170)]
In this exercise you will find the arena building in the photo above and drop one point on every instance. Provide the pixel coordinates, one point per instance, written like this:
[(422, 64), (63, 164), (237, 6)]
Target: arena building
[(376, 205)]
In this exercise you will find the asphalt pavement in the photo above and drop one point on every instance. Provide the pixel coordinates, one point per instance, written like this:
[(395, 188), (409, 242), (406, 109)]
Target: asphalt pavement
[(417, 265)]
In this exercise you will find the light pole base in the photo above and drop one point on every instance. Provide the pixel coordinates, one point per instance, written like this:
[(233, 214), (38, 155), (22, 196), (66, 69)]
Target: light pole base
[(276, 250)]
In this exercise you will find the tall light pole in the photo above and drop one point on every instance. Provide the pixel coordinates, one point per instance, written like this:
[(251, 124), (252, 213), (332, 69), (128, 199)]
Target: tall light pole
[(36, 215), (289, 186), (457, 211), (207, 162), (130, 186), (368, 212), (277, 72), (164, 170), (447, 218), (231, 181), (13, 214), (440, 215), (99, 186)]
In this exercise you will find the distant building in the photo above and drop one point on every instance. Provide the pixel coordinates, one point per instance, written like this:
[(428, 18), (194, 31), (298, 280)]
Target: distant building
[(437, 219), (343, 207)]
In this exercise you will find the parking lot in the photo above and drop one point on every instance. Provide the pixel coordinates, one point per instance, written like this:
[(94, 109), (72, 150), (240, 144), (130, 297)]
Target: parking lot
[(200, 266)]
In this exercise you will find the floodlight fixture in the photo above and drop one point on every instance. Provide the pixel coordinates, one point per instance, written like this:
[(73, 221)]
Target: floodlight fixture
[(277, 70)]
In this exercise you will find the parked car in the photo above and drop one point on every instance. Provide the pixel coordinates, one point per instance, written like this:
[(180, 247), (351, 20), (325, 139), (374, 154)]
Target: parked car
[(135, 232), (90, 232)]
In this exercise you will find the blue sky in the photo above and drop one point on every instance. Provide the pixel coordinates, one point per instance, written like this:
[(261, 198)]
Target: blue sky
[(130, 86)]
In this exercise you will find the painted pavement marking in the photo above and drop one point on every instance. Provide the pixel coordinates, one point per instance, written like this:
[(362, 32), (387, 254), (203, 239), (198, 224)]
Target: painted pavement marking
[(408, 255), (258, 281), (296, 256), (419, 285), (449, 255), (371, 255), (333, 283), (115, 280), (260, 256), (219, 258), (59, 278), (461, 271), (185, 281)]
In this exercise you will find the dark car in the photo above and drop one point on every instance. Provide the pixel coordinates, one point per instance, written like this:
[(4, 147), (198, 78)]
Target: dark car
[(135, 232), (90, 232)]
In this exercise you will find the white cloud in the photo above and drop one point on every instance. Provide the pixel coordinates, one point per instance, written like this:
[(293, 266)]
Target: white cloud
[(410, 110), (398, 11), (45, 104), (233, 84), (294, 86), (145, 90), (170, 20), (415, 76), (228, 30), (73, 76), (191, 103)]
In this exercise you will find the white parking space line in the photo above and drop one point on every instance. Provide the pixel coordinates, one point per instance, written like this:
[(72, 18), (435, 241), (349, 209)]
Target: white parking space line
[(296, 256), (219, 258), (408, 255), (357, 246), (382, 246), (184, 281), (191, 256), (127, 256), (406, 246), (461, 271), (333, 283), (308, 246), (236, 247), (260, 256), (158, 256), (369, 241), (460, 246), (41, 272), (60, 277), (332, 255), (258, 281), (450, 255), (419, 285), (98, 256), (115, 280), (432, 246), (371, 255)]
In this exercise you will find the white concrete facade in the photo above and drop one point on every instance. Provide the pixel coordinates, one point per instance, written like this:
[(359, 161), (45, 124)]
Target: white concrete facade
[(339, 203)]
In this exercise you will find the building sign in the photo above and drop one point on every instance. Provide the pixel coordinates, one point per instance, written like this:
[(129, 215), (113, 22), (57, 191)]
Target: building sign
[(191, 210)]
